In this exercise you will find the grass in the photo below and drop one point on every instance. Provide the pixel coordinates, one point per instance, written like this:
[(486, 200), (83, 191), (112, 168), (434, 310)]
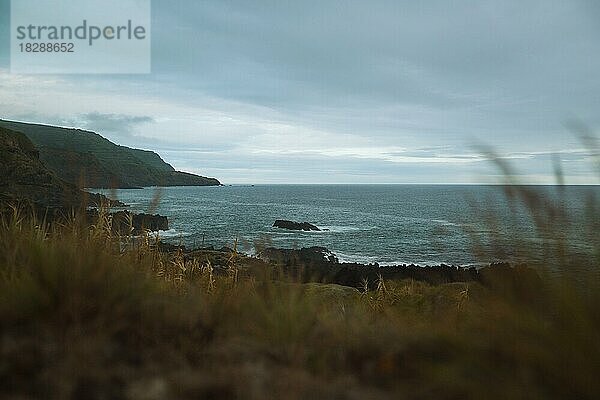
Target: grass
[(85, 313)]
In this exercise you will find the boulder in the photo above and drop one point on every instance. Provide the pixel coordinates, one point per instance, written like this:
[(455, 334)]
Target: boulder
[(122, 220), (295, 226), (314, 256)]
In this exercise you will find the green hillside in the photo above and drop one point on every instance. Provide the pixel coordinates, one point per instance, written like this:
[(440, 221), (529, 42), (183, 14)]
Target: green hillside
[(151, 158), (89, 160)]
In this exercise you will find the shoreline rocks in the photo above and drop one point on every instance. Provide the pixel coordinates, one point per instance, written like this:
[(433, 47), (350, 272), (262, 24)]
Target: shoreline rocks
[(97, 200), (317, 264), (124, 220)]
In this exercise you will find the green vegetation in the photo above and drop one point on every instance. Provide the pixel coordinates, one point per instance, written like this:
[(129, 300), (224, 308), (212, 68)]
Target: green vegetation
[(88, 314), (87, 159)]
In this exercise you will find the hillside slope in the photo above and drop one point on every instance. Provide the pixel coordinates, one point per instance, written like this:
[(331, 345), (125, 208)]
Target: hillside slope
[(87, 159), (23, 177)]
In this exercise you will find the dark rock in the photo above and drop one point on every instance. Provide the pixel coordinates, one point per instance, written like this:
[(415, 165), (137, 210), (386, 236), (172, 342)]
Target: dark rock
[(25, 181), (149, 222), (317, 264), (153, 222), (304, 256), (170, 248), (295, 226), (125, 222), (99, 200)]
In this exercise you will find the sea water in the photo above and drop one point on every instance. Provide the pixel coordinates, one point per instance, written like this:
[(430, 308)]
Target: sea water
[(385, 224)]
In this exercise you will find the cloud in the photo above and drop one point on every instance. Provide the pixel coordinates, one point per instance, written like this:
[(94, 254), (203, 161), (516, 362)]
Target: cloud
[(119, 124), (322, 91)]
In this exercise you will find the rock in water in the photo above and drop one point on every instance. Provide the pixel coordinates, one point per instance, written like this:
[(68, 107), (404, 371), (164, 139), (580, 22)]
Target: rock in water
[(124, 220), (295, 226)]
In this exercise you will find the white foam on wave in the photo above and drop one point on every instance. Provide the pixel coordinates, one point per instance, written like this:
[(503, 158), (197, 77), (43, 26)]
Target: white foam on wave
[(323, 229), (338, 228), (171, 233), (444, 222), (364, 259)]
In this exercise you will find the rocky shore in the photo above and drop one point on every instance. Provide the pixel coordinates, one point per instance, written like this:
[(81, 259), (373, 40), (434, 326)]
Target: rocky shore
[(317, 264), (125, 222), (320, 265)]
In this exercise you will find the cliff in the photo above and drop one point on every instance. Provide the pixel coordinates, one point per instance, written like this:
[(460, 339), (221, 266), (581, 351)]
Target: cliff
[(23, 177), (86, 159)]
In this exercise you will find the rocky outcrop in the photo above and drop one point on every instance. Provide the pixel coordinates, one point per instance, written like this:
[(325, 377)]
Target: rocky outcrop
[(305, 256), (317, 264), (99, 200), (152, 222), (295, 226), (25, 180), (124, 221)]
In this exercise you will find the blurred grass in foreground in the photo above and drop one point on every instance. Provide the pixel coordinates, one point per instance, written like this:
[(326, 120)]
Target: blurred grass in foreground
[(87, 314)]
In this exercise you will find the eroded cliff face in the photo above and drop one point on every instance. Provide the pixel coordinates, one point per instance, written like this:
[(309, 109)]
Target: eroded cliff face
[(25, 181), (24, 178)]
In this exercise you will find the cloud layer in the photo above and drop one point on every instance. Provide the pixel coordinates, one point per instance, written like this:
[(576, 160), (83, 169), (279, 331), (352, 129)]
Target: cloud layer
[(343, 91)]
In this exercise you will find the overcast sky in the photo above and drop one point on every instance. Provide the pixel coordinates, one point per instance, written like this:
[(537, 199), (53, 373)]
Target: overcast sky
[(343, 91)]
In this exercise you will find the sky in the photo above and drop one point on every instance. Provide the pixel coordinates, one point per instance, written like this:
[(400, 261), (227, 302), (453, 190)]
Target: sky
[(344, 91)]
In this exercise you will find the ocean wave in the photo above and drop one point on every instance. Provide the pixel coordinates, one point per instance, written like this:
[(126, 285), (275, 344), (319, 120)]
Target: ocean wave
[(364, 259), (444, 222), (171, 233), (324, 229), (340, 228)]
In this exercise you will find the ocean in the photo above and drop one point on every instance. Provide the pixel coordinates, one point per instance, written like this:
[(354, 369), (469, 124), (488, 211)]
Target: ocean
[(385, 224)]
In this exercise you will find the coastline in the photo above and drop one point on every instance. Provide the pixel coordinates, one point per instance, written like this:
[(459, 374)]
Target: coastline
[(319, 265), (391, 224)]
